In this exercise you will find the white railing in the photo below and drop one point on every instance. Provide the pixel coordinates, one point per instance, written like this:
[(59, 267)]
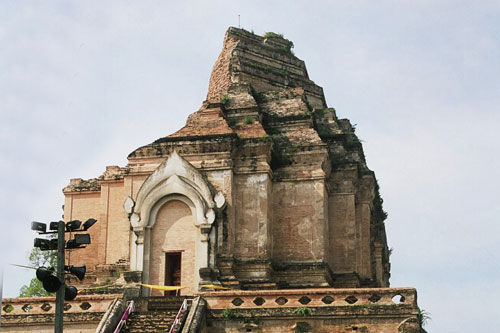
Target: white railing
[(178, 318), (124, 317)]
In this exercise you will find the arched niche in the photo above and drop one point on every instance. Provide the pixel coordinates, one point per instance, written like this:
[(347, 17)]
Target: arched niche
[(174, 179), (173, 232)]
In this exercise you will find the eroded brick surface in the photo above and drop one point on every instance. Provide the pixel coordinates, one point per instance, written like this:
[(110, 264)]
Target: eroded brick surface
[(275, 188)]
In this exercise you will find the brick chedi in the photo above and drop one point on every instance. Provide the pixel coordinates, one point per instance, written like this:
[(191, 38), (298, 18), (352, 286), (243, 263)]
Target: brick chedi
[(263, 188), (264, 191)]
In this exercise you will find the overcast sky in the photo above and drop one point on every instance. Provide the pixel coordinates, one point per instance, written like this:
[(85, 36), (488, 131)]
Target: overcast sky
[(83, 83)]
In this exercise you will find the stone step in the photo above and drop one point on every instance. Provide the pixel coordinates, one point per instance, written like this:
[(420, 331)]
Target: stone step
[(156, 303), (148, 322)]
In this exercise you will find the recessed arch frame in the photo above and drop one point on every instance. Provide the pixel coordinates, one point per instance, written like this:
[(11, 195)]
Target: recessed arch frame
[(174, 179)]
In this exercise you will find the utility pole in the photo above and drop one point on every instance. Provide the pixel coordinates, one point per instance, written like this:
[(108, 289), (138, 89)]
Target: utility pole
[(58, 328)]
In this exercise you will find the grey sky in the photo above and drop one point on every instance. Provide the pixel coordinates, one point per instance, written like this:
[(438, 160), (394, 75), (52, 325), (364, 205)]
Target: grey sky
[(84, 83)]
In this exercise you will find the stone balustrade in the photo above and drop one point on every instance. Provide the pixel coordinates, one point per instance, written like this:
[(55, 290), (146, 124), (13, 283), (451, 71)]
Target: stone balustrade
[(324, 297), (47, 305)]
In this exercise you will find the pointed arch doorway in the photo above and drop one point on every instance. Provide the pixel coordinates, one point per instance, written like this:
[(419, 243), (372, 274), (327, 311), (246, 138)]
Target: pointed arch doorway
[(171, 225), (173, 246)]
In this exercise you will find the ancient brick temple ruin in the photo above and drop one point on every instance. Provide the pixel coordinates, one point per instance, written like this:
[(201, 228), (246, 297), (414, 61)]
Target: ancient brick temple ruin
[(264, 191)]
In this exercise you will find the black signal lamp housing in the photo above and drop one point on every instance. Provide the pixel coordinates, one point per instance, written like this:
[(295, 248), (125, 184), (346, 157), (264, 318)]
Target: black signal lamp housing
[(73, 225), (78, 241), (70, 293), (50, 282), (54, 226), (88, 224), (78, 271), (38, 226)]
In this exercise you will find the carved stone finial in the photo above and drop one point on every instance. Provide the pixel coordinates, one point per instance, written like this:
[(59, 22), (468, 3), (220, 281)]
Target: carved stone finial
[(128, 205)]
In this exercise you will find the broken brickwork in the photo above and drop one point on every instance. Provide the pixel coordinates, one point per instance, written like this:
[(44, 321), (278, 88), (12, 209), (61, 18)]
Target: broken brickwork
[(264, 188)]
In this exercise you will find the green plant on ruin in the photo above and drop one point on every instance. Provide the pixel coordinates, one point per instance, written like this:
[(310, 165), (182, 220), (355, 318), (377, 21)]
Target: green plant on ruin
[(224, 100), (379, 212), (8, 308), (423, 317), (270, 34), (302, 311), (247, 120), (267, 68), (271, 69), (252, 320), (266, 138), (324, 129), (319, 112), (278, 101), (302, 328), (231, 314), (257, 95), (289, 44), (309, 106)]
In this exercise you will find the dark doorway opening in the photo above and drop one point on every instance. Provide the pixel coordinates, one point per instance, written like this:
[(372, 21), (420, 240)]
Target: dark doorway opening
[(172, 271)]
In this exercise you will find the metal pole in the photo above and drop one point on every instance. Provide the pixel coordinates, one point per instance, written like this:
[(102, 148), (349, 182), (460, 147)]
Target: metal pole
[(58, 328)]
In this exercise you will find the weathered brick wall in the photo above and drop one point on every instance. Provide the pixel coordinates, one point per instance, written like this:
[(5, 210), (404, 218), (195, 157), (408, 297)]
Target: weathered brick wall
[(36, 314), (253, 220), (174, 231), (88, 324), (118, 228), (220, 79), (364, 256), (313, 310), (299, 224), (270, 153), (81, 206), (342, 220), (223, 181)]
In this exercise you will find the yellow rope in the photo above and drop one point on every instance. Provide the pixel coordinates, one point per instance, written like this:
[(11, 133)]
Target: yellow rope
[(100, 287), (166, 288), (214, 286)]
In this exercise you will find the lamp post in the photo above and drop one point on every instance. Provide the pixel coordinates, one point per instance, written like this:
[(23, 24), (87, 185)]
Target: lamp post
[(58, 327), (56, 283)]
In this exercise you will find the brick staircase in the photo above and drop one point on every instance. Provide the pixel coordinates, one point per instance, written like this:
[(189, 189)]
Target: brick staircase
[(153, 314)]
